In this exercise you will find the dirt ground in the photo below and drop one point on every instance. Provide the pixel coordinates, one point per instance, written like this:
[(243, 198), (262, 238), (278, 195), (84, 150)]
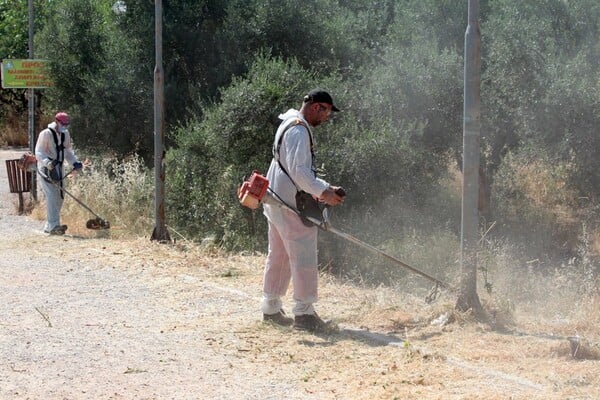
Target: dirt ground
[(89, 317)]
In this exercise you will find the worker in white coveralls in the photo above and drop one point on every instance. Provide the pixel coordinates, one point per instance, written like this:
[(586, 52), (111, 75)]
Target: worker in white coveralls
[(292, 244), (52, 148)]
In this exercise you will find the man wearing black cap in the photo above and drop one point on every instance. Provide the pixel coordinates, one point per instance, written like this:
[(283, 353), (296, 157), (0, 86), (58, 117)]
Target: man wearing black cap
[(292, 244)]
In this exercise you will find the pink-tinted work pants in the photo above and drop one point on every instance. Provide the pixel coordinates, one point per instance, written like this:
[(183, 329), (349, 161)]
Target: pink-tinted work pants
[(292, 255)]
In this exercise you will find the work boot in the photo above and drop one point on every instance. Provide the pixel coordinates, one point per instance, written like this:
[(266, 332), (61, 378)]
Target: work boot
[(278, 318), (58, 230), (312, 323)]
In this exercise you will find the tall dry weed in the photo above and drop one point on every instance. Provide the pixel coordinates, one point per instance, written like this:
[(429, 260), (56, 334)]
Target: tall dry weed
[(537, 289), (121, 192), (14, 132)]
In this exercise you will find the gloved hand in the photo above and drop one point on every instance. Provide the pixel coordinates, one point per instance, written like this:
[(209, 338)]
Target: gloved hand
[(52, 164), (77, 166), (340, 191)]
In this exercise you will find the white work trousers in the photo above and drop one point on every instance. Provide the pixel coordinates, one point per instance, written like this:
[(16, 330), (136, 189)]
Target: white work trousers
[(292, 255), (54, 202)]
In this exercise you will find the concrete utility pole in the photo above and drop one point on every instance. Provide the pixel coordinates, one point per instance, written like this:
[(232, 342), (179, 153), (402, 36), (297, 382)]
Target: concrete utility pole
[(160, 232), (31, 104), (468, 298)]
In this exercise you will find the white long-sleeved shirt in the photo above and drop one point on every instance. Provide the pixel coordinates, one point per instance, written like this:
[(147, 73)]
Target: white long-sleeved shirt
[(296, 157)]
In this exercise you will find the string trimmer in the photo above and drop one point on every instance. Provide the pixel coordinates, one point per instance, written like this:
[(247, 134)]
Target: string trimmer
[(97, 223), (256, 190)]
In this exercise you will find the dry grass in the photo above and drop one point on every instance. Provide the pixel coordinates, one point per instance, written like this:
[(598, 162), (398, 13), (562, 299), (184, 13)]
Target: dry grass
[(418, 350), (457, 359), (434, 351), (120, 192), (14, 132)]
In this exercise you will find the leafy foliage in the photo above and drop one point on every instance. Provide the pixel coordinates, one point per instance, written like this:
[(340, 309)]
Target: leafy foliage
[(14, 44), (74, 41), (235, 137), (337, 36), (394, 66)]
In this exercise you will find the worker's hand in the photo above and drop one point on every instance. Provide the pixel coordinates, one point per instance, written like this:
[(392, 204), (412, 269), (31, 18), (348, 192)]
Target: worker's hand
[(52, 164), (332, 196)]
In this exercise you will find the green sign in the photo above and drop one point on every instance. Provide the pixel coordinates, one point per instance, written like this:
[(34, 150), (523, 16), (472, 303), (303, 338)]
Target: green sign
[(28, 74)]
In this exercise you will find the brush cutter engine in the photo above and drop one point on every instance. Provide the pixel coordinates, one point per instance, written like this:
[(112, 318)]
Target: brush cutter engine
[(252, 191)]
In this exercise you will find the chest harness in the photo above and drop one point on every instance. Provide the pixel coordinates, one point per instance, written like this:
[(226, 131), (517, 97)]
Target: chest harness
[(277, 147), (306, 204), (56, 173), (60, 148)]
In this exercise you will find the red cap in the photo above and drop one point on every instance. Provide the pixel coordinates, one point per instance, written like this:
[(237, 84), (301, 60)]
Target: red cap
[(63, 118)]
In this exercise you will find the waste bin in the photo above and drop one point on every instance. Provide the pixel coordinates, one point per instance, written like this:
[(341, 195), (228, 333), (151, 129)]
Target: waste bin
[(19, 180)]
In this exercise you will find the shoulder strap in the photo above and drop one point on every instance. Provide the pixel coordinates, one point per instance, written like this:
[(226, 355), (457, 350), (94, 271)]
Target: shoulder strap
[(295, 121), (60, 149)]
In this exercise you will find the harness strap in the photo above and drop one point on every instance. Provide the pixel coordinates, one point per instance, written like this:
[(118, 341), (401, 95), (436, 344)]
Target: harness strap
[(60, 156), (295, 122), (60, 148)]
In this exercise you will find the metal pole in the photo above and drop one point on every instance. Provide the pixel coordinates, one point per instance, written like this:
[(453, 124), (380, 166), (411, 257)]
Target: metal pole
[(31, 104), (160, 232), (468, 298)]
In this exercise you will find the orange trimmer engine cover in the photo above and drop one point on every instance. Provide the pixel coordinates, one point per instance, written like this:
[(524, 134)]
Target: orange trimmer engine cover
[(252, 190)]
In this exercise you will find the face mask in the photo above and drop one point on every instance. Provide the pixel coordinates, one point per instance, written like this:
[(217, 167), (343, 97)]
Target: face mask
[(63, 129)]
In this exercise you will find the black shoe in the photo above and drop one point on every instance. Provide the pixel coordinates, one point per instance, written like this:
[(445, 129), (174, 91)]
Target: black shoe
[(278, 318), (312, 323), (58, 230)]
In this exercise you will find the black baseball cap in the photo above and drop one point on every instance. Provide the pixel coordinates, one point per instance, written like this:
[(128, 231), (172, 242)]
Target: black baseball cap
[(320, 96)]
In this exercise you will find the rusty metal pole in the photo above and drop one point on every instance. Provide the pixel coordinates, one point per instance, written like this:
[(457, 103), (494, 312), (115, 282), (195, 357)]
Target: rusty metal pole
[(31, 104), (468, 298), (160, 232)]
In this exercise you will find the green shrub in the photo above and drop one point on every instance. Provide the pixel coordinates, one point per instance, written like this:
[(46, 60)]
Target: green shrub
[(213, 154)]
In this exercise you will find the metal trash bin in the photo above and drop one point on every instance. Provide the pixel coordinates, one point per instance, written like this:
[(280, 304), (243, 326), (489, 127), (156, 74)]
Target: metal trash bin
[(19, 181)]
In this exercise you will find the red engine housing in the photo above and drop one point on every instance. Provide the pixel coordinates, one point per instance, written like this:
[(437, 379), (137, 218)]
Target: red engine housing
[(252, 190)]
